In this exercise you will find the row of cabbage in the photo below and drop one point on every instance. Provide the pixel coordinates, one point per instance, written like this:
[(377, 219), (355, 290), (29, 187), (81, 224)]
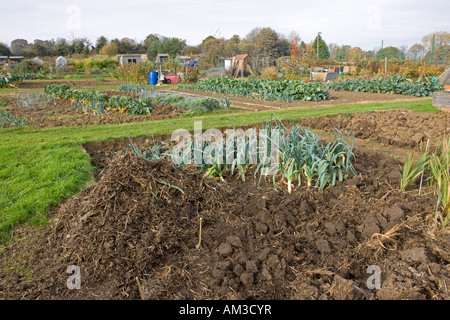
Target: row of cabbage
[(292, 90), (394, 85), (271, 90)]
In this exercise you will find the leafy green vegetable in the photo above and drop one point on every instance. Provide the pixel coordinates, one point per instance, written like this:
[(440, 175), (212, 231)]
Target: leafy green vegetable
[(284, 90), (393, 85), (99, 102)]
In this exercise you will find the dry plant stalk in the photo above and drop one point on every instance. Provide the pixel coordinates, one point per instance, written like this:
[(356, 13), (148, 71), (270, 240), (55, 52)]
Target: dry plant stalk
[(423, 171), (198, 245), (140, 288), (385, 196), (388, 235)]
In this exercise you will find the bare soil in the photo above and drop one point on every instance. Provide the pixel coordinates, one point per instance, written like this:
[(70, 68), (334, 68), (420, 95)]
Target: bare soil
[(63, 113), (336, 98), (139, 226), (35, 84), (401, 128)]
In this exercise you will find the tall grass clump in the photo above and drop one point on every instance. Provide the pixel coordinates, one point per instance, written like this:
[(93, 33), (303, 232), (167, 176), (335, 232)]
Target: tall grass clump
[(433, 168)]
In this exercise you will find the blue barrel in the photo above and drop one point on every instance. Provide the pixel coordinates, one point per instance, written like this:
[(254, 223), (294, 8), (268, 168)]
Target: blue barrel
[(153, 78)]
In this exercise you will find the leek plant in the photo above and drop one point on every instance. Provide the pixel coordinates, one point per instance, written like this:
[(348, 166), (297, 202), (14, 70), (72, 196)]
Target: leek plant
[(213, 161), (149, 153), (289, 170), (244, 151), (410, 171), (293, 154), (8, 120), (225, 102), (134, 88), (439, 166), (435, 167), (301, 151), (310, 171)]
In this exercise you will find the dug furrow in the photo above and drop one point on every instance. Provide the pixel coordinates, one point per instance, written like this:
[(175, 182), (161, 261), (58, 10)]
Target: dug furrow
[(236, 104)]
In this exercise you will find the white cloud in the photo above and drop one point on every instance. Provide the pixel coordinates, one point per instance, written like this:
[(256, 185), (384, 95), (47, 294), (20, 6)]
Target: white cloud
[(357, 23)]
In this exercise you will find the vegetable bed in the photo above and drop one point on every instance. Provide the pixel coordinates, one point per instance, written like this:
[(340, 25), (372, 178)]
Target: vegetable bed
[(100, 103), (284, 90), (392, 85), (154, 230)]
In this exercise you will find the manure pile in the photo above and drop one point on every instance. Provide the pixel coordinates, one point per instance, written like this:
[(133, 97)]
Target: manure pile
[(134, 233)]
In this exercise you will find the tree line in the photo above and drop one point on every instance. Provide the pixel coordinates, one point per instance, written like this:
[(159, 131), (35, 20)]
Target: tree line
[(258, 43)]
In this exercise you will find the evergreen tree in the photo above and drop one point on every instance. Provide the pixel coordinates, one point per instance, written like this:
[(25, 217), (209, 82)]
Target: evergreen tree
[(324, 53), (4, 50)]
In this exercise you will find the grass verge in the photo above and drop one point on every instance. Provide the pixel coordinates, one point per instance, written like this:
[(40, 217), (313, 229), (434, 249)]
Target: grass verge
[(35, 178)]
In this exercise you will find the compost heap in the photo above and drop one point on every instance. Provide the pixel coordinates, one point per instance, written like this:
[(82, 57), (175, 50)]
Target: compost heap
[(135, 235)]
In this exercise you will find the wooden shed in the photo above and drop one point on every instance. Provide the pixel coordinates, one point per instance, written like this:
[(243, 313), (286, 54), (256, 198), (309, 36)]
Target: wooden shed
[(131, 58), (441, 99), (349, 69), (241, 65), (162, 58)]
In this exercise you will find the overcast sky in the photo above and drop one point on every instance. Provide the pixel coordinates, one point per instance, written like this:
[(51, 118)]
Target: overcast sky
[(350, 22)]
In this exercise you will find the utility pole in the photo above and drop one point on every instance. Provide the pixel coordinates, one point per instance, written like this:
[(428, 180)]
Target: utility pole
[(432, 50), (318, 36)]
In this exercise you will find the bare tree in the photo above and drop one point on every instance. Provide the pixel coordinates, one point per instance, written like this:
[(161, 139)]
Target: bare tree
[(294, 35), (251, 36), (416, 52)]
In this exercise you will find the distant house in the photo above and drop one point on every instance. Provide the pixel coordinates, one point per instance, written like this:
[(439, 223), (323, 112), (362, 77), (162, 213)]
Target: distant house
[(16, 59), (162, 57), (131, 58), (10, 61), (349, 69), (6, 59)]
